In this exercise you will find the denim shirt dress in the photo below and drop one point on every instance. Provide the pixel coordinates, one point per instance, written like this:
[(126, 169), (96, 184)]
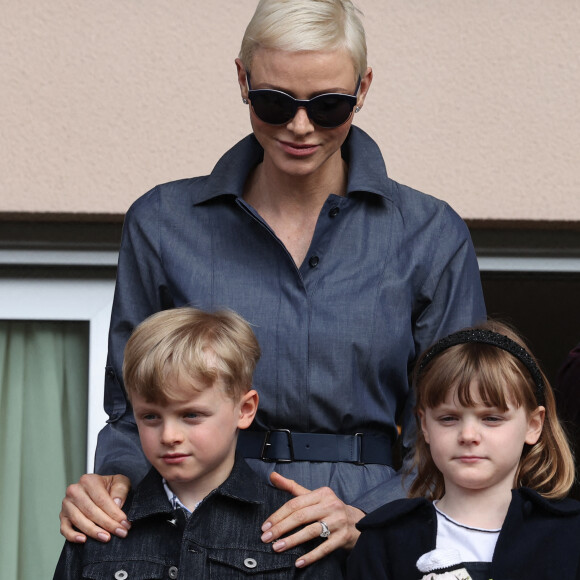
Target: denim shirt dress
[(389, 270)]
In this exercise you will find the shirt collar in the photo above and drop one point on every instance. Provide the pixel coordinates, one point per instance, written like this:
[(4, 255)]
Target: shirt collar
[(150, 496), (367, 171)]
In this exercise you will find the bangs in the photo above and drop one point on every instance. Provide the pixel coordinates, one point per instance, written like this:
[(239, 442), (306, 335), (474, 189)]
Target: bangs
[(501, 380)]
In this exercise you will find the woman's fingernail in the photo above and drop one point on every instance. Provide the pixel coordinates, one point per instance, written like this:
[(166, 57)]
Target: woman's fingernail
[(121, 532), (117, 500), (80, 539), (279, 545), (266, 526), (267, 537), (103, 537), (126, 524), (300, 563)]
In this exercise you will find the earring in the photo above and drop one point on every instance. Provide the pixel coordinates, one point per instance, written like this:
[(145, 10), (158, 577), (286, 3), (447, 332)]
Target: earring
[(245, 101), (356, 109)]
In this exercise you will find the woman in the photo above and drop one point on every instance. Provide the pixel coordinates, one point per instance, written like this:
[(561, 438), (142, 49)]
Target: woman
[(345, 275)]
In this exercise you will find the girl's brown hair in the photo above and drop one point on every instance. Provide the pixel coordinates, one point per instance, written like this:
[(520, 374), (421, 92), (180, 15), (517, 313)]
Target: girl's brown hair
[(547, 466)]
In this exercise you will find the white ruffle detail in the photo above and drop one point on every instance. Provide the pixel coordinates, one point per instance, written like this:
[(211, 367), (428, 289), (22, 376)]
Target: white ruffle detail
[(438, 560), (442, 559)]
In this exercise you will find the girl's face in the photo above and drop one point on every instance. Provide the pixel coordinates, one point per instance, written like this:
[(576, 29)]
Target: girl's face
[(300, 148), (478, 448)]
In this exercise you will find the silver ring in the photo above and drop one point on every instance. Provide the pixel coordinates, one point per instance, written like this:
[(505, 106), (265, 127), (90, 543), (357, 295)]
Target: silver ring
[(325, 531)]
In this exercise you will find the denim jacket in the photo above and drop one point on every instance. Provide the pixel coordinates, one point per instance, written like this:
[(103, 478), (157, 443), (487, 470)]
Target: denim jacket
[(220, 540)]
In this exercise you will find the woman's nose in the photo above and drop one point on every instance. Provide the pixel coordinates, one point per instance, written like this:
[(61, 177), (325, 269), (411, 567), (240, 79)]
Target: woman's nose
[(300, 123)]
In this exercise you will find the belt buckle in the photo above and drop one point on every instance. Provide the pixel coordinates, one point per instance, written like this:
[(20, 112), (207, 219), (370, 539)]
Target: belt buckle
[(358, 437), (267, 443)]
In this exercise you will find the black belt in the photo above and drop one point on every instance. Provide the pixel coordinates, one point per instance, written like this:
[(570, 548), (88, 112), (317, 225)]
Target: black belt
[(284, 446)]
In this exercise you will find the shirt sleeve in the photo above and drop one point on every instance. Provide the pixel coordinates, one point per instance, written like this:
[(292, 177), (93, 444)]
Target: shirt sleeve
[(139, 292), (452, 298)]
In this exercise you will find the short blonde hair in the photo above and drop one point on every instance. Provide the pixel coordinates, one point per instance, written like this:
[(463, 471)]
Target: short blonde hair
[(301, 25), (547, 466), (186, 342)]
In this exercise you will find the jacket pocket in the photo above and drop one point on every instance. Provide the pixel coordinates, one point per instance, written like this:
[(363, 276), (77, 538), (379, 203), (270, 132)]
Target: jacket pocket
[(124, 570), (236, 563)]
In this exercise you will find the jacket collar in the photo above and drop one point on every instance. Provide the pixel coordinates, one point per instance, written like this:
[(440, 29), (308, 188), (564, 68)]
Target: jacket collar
[(367, 171), (149, 497), (524, 500), (530, 500)]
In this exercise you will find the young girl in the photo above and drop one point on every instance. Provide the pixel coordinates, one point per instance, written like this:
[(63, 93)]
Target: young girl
[(492, 467)]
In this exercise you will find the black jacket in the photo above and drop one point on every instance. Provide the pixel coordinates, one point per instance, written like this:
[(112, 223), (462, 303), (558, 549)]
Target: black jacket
[(539, 539)]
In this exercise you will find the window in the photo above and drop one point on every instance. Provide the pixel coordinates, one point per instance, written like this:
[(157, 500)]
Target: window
[(56, 311)]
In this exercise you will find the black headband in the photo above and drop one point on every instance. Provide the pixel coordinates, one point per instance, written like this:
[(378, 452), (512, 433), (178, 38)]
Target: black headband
[(481, 335)]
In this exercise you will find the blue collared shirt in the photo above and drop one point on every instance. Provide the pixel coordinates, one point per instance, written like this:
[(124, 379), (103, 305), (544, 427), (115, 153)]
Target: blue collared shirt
[(389, 270)]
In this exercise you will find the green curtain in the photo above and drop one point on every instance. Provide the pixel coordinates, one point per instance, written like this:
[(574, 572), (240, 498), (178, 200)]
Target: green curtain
[(43, 425)]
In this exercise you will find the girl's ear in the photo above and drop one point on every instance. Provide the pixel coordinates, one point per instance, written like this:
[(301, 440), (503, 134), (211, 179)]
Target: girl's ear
[(248, 406), (424, 426), (535, 425)]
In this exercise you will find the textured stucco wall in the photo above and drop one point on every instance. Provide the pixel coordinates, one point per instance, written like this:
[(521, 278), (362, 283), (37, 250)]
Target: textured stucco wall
[(474, 101)]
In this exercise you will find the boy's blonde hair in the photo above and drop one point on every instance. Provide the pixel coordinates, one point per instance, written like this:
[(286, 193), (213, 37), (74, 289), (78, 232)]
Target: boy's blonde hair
[(301, 25), (547, 466), (201, 347)]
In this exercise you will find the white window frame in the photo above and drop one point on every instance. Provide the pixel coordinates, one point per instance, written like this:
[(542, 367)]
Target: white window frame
[(70, 299)]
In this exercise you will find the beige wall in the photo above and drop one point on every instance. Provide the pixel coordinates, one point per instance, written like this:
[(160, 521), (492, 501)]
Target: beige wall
[(474, 101)]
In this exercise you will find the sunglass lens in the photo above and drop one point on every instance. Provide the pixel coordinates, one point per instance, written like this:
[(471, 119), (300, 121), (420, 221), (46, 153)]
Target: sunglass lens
[(273, 107), (331, 110)]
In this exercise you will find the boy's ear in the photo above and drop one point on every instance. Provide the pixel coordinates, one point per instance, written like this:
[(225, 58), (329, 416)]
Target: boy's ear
[(248, 407)]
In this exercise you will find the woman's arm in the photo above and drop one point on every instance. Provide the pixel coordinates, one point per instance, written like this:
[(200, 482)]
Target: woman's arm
[(90, 505)]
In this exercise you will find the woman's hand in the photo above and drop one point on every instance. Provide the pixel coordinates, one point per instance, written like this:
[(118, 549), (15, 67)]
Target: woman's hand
[(93, 506), (309, 508)]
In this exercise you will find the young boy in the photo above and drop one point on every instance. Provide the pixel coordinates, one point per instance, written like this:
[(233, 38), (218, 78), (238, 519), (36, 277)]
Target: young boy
[(198, 512)]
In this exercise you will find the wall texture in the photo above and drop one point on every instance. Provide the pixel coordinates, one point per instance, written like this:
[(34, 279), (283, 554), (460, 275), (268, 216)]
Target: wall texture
[(474, 101)]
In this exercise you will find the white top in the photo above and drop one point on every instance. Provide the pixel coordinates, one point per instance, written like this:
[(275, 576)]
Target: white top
[(473, 544)]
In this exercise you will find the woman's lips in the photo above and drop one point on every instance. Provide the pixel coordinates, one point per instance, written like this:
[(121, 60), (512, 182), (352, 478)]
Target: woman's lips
[(298, 149)]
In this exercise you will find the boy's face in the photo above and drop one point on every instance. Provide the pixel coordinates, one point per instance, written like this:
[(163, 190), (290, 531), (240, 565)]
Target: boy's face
[(191, 440)]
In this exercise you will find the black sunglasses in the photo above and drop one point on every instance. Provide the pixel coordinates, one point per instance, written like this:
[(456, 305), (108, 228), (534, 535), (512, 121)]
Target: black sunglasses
[(277, 108)]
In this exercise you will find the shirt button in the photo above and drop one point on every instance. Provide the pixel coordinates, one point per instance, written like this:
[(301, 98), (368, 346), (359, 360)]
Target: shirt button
[(172, 572), (314, 261), (121, 575), (334, 212), (250, 563)]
